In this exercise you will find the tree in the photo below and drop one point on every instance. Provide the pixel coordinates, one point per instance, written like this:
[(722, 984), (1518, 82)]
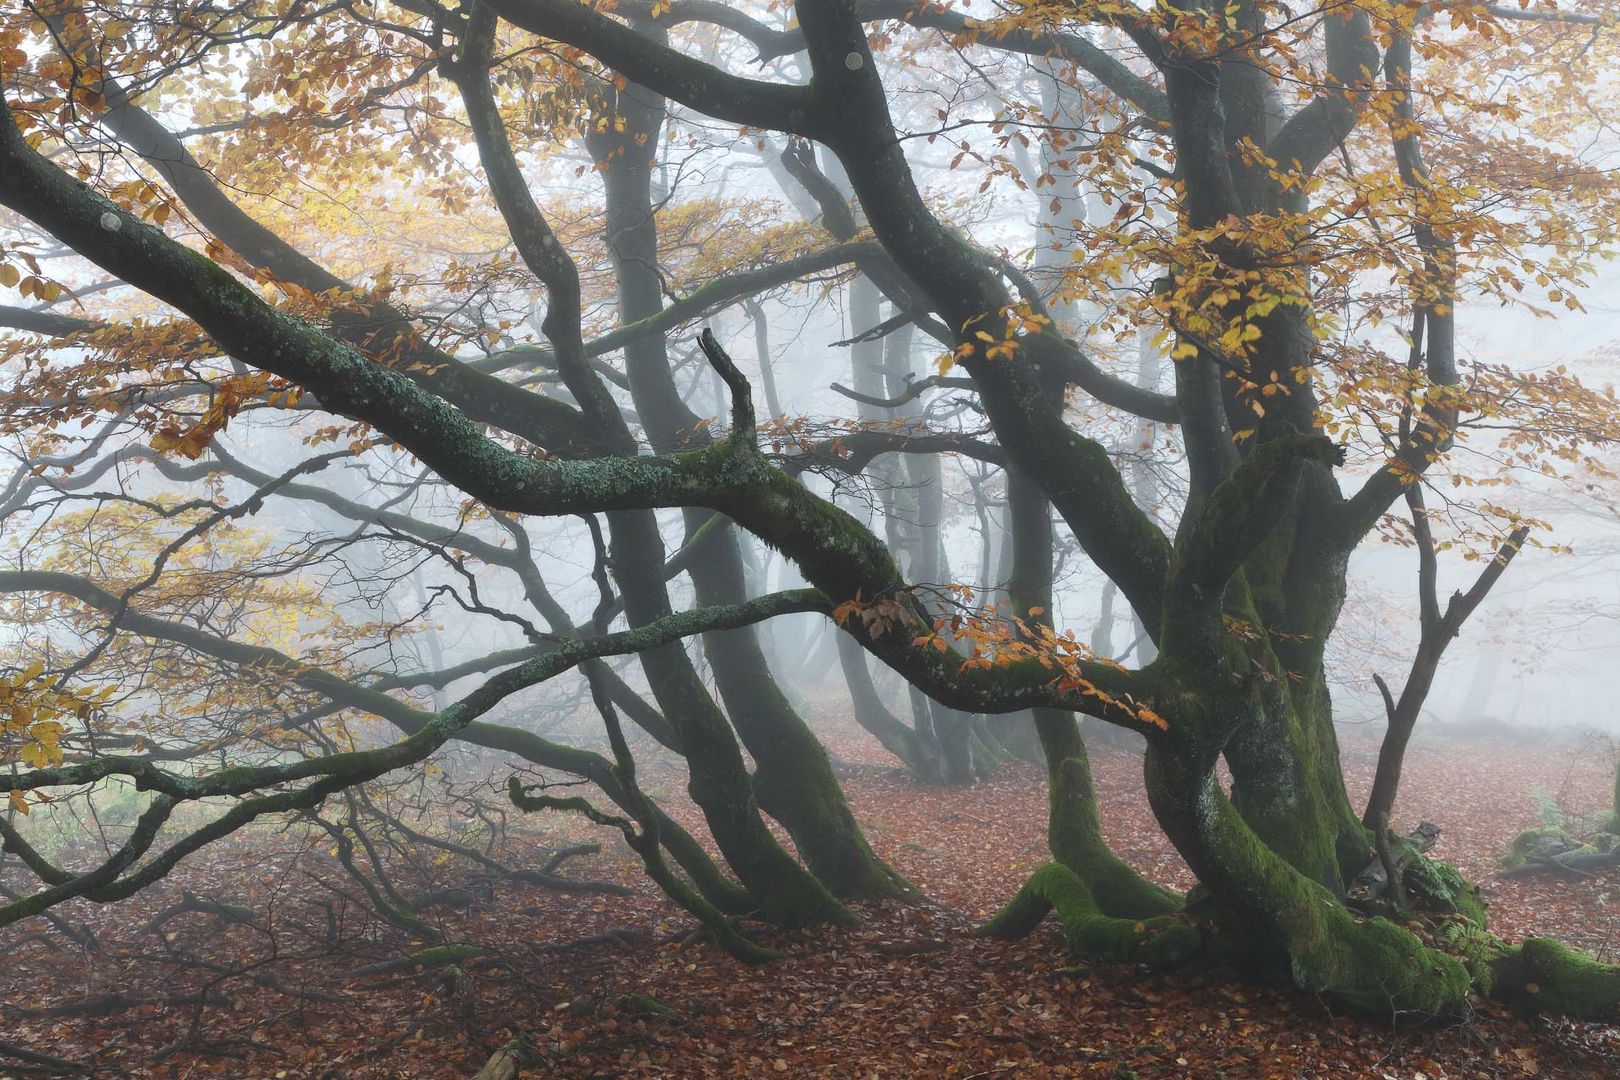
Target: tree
[(1277, 235)]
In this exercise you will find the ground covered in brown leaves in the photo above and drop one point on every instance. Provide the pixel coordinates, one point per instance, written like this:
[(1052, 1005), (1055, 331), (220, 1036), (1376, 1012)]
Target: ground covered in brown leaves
[(607, 986)]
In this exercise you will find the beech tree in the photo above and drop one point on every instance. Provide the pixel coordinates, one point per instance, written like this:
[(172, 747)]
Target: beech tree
[(1288, 204)]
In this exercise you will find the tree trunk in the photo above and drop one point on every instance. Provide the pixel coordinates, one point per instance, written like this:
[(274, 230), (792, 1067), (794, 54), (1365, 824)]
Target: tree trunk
[(794, 781), (1074, 831), (718, 778), (918, 754), (1286, 777)]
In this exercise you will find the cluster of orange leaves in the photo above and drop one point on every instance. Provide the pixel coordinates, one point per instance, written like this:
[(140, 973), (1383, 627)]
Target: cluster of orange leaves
[(228, 397), (992, 637), (1010, 323)]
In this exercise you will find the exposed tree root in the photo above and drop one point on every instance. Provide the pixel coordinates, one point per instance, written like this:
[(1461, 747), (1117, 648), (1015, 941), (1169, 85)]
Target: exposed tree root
[(1543, 976), (1160, 941), (1376, 968)]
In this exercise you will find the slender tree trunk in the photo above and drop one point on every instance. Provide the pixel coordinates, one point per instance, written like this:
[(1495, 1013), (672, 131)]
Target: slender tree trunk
[(918, 753), (1074, 832), (794, 780)]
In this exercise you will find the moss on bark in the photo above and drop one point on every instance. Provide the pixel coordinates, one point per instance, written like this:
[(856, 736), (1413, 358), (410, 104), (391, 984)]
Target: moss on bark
[(1373, 966), (1440, 887), (718, 780), (1160, 942), (1542, 976), (1287, 778), (1074, 832), (793, 777), (1531, 843)]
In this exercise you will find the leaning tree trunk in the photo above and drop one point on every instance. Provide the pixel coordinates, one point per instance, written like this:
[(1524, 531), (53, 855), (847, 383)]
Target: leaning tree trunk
[(717, 775), (793, 781)]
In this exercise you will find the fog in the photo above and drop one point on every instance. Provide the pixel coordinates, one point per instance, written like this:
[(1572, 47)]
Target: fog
[(528, 508)]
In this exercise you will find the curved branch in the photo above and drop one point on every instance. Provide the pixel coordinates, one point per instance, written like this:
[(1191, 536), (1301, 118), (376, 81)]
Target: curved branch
[(1316, 130), (542, 420), (837, 553), (752, 102), (430, 727), (40, 321), (531, 234), (922, 15)]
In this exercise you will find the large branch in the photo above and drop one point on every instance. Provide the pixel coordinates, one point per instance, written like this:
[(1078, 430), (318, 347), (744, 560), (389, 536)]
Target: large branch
[(1054, 44), (346, 381), (1076, 472), (838, 218), (330, 772), (541, 420), (836, 553), (1317, 130), (537, 244), (425, 725), (821, 111), (712, 91), (41, 321)]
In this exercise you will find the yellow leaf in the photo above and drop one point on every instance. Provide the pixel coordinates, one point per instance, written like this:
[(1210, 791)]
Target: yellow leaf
[(48, 732), (19, 802)]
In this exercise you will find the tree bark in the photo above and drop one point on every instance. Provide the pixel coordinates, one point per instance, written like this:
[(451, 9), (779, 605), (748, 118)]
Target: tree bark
[(794, 781)]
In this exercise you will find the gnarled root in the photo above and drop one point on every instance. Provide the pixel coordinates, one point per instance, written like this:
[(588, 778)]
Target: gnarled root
[(1162, 941), (1543, 976)]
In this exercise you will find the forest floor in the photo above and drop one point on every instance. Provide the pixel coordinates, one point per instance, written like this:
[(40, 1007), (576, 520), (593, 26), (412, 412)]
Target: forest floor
[(606, 986)]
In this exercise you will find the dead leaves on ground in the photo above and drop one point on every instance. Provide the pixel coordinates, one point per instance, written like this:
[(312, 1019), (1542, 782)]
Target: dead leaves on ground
[(909, 993)]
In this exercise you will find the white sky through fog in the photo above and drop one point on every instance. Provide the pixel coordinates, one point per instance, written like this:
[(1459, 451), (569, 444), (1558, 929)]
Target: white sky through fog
[(1546, 642)]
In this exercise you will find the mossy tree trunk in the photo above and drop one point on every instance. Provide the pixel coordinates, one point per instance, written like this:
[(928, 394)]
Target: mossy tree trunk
[(1614, 815), (1074, 831)]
